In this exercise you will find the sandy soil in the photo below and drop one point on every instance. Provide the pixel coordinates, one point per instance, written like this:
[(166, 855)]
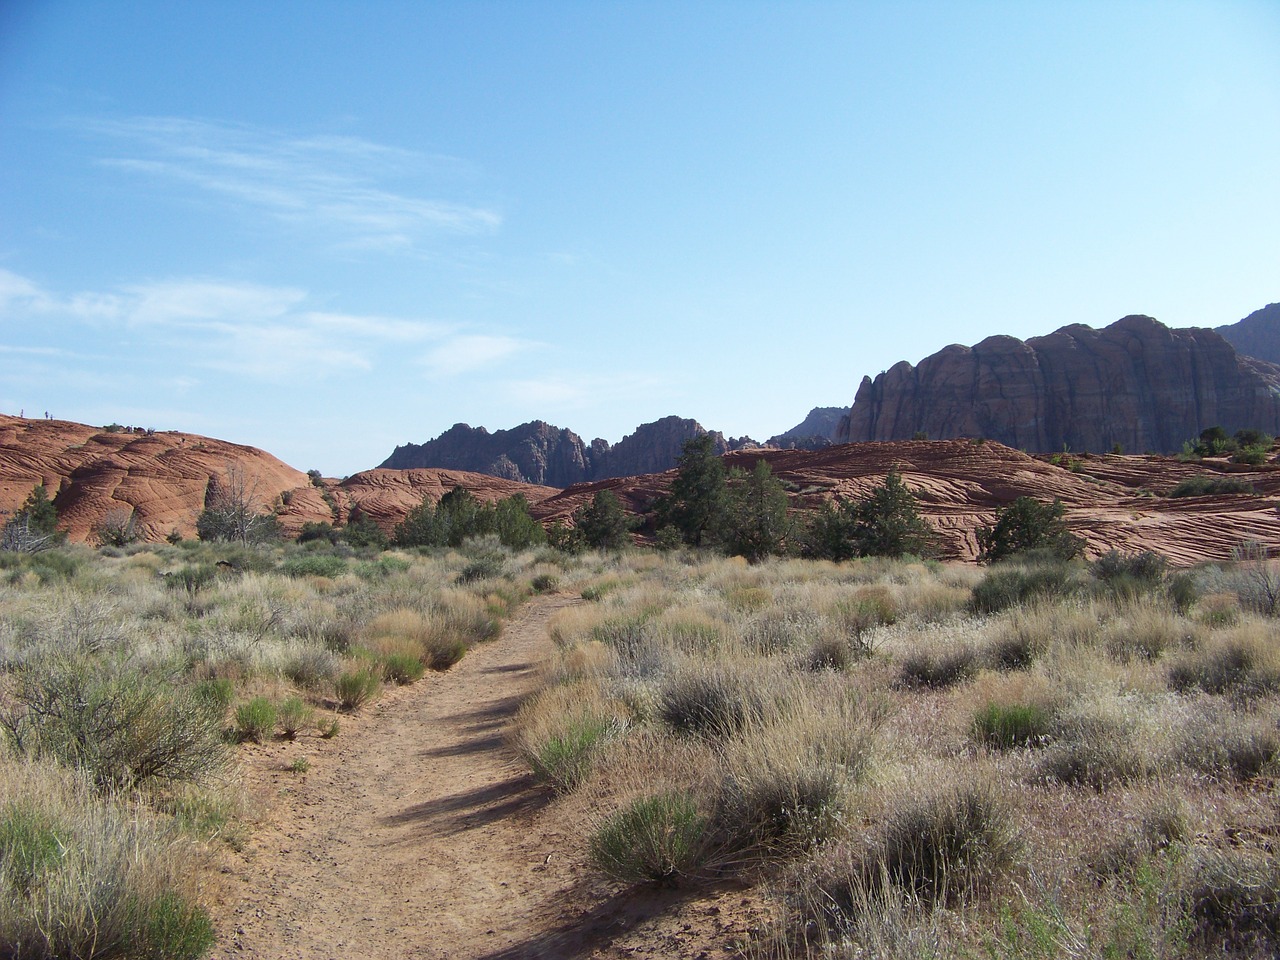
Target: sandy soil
[(417, 833)]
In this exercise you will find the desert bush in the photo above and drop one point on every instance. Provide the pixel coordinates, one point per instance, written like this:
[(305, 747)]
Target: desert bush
[(561, 732), (1008, 725), (314, 565), (294, 715), (1008, 586), (658, 839), (1235, 903), (256, 720), (402, 668), (121, 728), (1255, 578), (355, 688), (1144, 631), (1094, 748), (545, 583), (1204, 485), (85, 876), (1129, 575), (709, 699), (1244, 665), (1222, 742), (312, 667), (1028, 525), (785, 781), (939, 666), (485, 565)]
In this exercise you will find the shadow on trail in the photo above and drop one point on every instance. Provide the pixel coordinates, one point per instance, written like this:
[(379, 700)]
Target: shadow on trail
[(584, 933), (472, 809)]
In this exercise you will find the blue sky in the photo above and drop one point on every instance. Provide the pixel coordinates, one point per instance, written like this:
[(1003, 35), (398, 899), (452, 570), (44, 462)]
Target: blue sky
[(328, 228)]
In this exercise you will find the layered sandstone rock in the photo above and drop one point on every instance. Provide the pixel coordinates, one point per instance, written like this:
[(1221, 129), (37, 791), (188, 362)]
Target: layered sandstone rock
[(1136, 384)]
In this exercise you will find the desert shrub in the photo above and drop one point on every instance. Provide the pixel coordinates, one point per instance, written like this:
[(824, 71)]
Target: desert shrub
[(355, 688), (1144, 631), (633, 644), (1235, 903), (708, 699), (1221, 742), (943, 848), (314, 565), (784, 783), (293, 716), (1008, 586), (1183, 591), (1005, 726), (84, 876), (218, 692), (1094, 749), (122, 728), (545, 583), (1128, 575), (1244, 666), (312, 667), (1204, 485), (659, 839), (402, 668), (938, 667), (1255, 578), (256, 719), (486, 565)]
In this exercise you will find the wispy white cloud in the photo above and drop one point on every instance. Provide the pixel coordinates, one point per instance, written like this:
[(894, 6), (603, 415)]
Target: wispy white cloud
[(246, 330), (467, 353), (352, 190)]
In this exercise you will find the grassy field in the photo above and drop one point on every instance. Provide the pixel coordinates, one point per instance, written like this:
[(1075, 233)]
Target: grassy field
[(129, 676), (909, 759), (917, 760)]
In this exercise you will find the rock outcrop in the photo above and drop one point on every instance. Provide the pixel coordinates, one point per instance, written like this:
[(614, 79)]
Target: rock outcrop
[(539, 453), (1257, 335), (1136, 384), (1112, 502), (816, 431)]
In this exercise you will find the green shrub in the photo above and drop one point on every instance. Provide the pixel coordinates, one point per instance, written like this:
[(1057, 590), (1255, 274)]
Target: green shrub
[(121, 728), (313, 667), (1204, 485), (294, 715), (1094, 751), (565, 759), (256, 720), (314, 565), (1027, 524), (1005, 726), (1238, 667), (29, 847), (402, 668), (488, 565), (1129, 575), (444, 650), (169, 927), (545, 583), (354, 688), (661, 838), (1006, 587)]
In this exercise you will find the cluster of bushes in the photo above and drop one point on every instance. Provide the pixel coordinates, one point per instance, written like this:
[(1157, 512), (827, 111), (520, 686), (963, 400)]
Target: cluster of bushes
[(1244, 446), (459, 516), (930, 760)]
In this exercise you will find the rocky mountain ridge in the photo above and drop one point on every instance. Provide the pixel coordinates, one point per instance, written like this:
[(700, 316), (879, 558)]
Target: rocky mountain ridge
[(1136, 385), (541, 453), (1257, 335)]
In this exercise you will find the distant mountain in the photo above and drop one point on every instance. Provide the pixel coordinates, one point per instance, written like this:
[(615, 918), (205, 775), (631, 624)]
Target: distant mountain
[(541, 453), (1136, 383), (816, 431), (1257, 335)]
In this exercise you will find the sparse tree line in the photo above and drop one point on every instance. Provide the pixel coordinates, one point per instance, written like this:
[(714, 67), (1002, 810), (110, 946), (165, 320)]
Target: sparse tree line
[(732, 511)]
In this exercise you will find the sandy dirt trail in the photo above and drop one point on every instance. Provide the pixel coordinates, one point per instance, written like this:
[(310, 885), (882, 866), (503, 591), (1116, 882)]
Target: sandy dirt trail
[(417, 834)]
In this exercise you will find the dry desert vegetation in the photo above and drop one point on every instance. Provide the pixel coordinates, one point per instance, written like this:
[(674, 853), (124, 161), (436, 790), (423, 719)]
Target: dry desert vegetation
[(293, 750)]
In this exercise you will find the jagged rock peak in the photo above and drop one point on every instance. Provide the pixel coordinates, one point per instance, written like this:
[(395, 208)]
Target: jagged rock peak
[(538, 452), (816, 431), (1136, 384), (1257, 335)]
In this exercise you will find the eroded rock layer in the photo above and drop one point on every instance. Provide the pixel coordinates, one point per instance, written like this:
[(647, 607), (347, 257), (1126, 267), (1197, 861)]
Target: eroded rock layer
[(1136, 384)]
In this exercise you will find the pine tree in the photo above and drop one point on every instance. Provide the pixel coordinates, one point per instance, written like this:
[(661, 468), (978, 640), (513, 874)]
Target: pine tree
[(756, 523), (696, 503)]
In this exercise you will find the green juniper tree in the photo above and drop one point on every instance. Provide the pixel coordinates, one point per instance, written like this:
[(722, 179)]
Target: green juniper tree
[(755, 523), (696, 503), (602, 524)]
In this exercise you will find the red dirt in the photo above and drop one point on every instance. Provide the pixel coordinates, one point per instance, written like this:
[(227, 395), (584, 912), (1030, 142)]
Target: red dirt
[(417, 833)]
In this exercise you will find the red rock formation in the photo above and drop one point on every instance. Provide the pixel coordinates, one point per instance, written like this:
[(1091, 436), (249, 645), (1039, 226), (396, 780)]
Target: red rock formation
[(1112, 502), (1136, 383), (164, 478)]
